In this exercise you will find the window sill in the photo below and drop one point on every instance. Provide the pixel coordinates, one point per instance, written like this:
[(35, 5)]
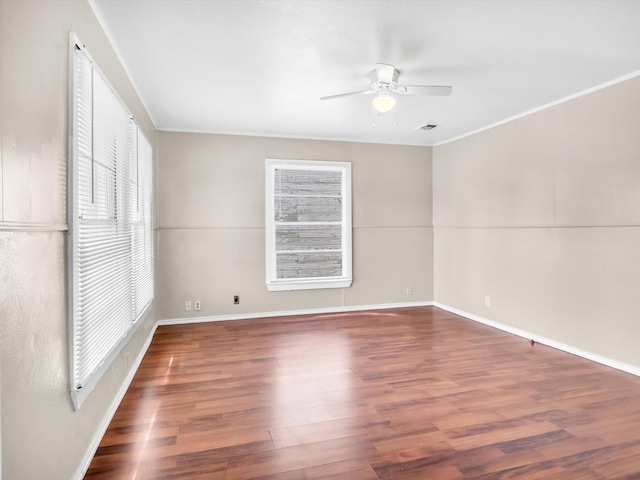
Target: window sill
[(313, 284)]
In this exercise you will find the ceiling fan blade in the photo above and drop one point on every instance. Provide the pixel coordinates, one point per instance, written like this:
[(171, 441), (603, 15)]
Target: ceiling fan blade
[(348, 94), (386, 73), (441, 90)]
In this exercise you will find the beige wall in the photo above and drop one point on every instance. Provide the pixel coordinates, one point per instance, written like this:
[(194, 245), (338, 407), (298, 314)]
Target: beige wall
[(542, 214), (211, 224), (41, 435)]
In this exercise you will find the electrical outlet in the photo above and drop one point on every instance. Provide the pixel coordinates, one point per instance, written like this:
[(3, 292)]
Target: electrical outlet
[(236, 299), (197, 306), (487, 301), (187, 305), (409, 291)]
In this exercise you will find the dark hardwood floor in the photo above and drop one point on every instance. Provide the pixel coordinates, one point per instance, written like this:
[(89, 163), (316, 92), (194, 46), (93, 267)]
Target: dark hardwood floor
[(413, 393)]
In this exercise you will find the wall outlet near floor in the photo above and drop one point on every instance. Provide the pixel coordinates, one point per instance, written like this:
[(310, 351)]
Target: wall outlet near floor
[(487, 301), (236, 299), (197, 306), (187, 305), (409, 291)]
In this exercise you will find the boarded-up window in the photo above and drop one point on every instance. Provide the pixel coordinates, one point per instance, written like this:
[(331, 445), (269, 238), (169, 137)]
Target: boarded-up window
[(308, 224)]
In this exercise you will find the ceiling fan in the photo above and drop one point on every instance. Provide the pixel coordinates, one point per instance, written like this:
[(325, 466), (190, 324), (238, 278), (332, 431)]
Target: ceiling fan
[(385, 82)]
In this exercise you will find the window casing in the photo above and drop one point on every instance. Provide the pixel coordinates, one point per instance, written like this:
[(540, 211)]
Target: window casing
[(308, 224), (111, 254)]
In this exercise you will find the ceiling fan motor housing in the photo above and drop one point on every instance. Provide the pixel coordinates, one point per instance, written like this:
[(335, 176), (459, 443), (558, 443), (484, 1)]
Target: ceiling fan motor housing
[(386, 77)]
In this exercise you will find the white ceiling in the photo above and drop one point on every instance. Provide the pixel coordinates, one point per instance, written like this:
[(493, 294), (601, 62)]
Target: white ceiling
[(259, 67)]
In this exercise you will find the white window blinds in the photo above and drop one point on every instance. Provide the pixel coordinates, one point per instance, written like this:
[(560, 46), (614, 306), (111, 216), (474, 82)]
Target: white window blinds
[(111, 244), (308, 224), (141, 222)]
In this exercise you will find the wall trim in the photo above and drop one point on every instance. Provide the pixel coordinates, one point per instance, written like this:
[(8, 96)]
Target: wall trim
[(114, 46), (624, 367), (95, 443), (238, 133), (32, 227), (289, 313), (526, 113)]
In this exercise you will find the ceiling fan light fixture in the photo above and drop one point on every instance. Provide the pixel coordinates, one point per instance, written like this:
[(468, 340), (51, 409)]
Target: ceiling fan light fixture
[(384, 102)]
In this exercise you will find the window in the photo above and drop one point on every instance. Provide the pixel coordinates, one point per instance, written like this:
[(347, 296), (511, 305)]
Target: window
[(308, 224), (110, 224)]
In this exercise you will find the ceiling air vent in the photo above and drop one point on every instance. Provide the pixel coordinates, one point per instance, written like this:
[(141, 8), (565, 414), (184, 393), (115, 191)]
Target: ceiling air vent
[(426, 127)]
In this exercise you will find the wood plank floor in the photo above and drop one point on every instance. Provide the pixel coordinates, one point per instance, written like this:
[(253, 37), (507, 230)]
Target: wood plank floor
[(412, 393)]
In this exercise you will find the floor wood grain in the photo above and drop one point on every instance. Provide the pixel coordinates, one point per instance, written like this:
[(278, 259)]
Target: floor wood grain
[(412, 393)]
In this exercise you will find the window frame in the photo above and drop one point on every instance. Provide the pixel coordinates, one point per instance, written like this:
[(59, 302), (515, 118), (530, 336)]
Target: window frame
[(113, 201), (306, 283)]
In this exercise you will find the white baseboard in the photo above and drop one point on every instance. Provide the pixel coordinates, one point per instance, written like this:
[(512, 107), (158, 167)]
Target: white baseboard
[(287, 313), (86, 462), (625, 367)]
